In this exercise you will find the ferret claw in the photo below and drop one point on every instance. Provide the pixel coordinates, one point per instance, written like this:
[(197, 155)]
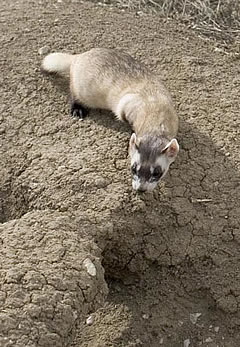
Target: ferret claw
[(78, 111)]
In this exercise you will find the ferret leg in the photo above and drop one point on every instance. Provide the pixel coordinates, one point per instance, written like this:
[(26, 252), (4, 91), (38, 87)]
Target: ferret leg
[(78, 111)]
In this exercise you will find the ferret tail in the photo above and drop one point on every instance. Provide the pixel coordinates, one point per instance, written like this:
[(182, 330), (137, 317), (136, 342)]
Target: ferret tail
[(57, 62)]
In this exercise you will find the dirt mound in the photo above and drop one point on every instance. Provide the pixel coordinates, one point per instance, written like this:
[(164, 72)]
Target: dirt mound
[(66, 197), (46, 279)]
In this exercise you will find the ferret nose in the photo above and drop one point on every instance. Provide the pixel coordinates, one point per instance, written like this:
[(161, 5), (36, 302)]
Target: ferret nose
[(141, 190)]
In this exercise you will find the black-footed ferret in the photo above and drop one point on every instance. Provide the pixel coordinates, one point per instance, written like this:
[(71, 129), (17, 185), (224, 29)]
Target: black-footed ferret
[(113, 80)]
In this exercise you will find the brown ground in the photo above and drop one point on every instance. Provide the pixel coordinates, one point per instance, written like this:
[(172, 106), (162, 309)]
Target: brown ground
[(66, 196)]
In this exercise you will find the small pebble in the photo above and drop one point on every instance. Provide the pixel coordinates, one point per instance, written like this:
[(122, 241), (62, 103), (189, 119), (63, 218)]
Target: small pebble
[(145, 316), (161, 341), (90, 320), (186, 343), (217, 49), (216, 329), (43, 50), (100, 182), (194, 317), (209, 339), (91, 269)]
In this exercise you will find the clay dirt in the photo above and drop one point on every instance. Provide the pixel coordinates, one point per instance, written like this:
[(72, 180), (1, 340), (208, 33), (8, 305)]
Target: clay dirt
[(85, 261)]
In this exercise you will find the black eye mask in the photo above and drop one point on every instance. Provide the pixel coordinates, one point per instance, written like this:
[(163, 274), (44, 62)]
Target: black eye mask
[(145, 173), (157, 173)]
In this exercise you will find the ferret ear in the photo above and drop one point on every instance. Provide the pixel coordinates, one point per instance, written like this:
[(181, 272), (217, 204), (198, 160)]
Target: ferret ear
[(133, 139), (171, 150), (133, 143)]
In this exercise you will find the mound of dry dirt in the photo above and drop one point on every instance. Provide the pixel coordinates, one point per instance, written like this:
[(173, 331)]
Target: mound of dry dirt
[(50, 277), (66, 200)]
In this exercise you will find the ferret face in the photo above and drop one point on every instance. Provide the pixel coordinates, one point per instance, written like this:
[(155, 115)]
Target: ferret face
[(151, 157)]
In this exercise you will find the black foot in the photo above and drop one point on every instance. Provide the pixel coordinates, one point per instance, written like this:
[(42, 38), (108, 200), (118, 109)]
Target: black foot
[(78, 111)]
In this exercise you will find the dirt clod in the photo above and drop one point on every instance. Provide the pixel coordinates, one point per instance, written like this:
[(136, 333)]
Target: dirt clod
[(194, 317)]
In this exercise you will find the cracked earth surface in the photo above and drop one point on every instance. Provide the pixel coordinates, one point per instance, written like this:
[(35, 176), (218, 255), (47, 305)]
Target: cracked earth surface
[(65, 191)]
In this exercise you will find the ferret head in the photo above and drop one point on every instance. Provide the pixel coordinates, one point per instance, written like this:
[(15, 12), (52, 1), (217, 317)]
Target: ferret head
[(151, 157)]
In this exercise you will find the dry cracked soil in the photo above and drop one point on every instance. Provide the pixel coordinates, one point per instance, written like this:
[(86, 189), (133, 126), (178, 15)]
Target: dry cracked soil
[(158, 269)]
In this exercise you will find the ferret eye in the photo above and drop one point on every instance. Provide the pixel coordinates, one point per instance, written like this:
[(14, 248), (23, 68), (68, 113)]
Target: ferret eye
[(134, 169), (157, 173)]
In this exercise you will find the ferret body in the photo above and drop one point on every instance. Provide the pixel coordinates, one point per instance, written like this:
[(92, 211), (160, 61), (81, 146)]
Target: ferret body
[(112, 80)]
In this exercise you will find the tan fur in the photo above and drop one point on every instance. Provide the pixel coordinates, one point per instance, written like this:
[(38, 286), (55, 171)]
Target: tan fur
[(110, 79)]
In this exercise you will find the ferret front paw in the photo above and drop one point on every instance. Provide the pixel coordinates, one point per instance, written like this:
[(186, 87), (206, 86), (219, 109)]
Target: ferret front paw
[(78, 111)]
